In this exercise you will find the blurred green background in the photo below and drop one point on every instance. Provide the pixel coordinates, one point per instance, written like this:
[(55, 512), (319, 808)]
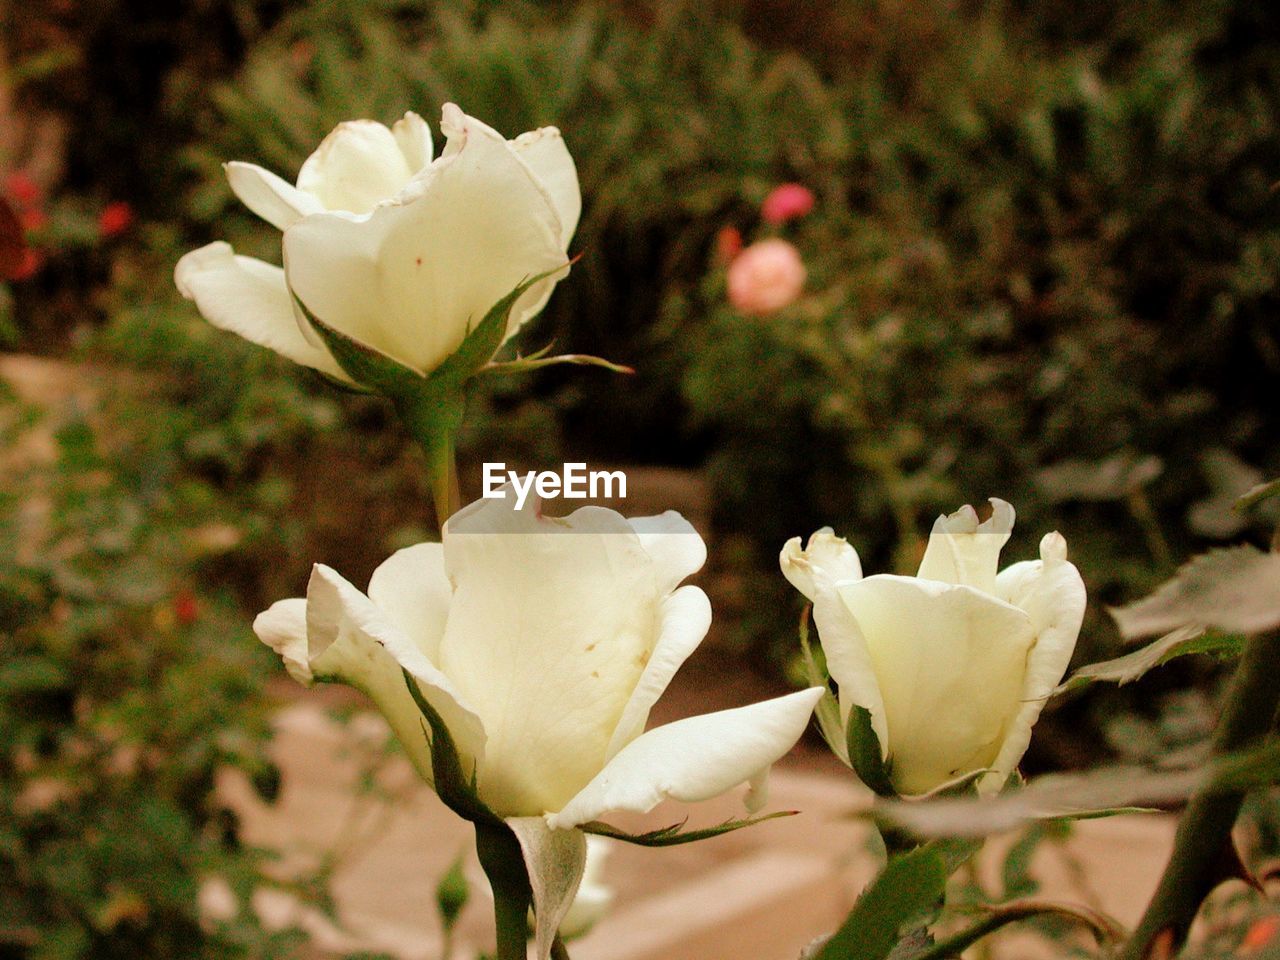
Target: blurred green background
[(1042, 265)]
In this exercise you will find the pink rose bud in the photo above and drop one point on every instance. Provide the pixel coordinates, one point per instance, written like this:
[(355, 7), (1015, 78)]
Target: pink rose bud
[(786, 202), (766, 277), (115, 218), (728, 243)]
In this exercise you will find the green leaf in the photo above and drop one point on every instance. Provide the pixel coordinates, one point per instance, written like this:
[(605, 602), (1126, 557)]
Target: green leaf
[(32, 674), (1236, 590), (675, 834), (1177, 643), (452, 786), (909, 887), (864, 753)]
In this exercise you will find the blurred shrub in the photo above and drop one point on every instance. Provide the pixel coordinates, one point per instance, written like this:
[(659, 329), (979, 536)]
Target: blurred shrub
[(1043, 263), (1046, 272), (133, 505)]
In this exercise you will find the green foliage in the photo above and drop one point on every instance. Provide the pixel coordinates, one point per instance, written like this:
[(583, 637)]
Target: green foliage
[(907, 893), (130, 680), (122, 694)]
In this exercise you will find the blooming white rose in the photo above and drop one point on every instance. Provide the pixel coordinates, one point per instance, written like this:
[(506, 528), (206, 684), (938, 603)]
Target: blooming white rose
[(398, 252), (542, 644), (954, 664)]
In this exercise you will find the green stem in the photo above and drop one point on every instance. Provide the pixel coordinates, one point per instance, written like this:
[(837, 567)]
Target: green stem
[(1202, 846), (433, 421), (443, 466), (503, 864), (897, 842)]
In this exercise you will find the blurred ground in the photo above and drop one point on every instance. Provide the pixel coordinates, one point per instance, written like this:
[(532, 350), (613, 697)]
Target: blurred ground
[(761, 893)]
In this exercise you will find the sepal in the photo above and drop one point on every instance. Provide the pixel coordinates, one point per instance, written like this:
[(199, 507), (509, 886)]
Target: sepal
[(542, 358), (675, 834), (377, 371), (865, 755), (827, 712), (452, 785)]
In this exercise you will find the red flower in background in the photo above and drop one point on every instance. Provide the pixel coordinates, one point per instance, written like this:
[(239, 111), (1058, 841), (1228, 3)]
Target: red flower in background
[(20, 214), (728, 243), (766, 277), (186, 609), (116, 217), (13, 245), (22, 190), (787, 202), (28, 265), (33, 219)]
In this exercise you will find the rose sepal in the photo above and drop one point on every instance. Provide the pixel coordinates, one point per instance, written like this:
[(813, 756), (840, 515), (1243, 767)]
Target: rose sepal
[(529, 866), (542, 358), (866, 755), (375, 370), (452, 785), (430, 405), (674, 834)]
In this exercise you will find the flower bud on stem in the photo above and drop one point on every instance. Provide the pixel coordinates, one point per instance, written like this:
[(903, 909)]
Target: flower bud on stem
[(1204, 831)]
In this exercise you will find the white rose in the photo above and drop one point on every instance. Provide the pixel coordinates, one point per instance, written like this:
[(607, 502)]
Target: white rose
[(542, 644), (954, 664), (400, 253)]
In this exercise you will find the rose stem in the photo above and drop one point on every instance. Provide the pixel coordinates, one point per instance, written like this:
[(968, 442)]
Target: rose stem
[(1203, 841), (503, 864)]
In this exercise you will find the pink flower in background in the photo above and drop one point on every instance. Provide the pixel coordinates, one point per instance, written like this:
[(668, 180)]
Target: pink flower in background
[(786, 202), (728, 243), (115, 218), (765, 277)]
